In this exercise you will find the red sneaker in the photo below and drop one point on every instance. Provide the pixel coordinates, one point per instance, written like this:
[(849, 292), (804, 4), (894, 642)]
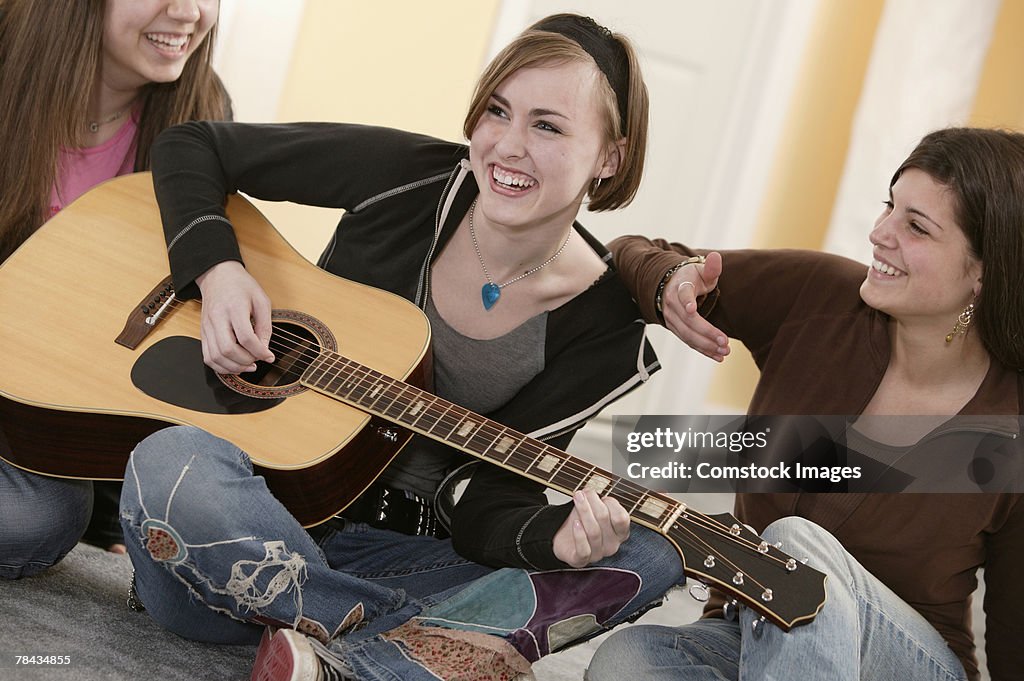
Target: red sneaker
[(287, 655)]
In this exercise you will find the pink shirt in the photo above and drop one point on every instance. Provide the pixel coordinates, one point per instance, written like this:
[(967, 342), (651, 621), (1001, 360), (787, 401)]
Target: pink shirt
[(81, 169)]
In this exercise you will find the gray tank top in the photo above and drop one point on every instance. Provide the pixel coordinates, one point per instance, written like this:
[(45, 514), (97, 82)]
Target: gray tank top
[(480, 375)]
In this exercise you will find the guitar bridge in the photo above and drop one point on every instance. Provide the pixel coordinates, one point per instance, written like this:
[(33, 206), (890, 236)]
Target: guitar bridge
[(144, 318)]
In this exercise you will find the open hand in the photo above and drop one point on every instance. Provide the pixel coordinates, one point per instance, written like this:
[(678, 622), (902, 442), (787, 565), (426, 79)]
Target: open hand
[(679, 307)]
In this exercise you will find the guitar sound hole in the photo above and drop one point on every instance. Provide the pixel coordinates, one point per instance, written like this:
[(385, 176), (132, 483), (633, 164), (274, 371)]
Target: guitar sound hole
[(294, 348), (296, 342)]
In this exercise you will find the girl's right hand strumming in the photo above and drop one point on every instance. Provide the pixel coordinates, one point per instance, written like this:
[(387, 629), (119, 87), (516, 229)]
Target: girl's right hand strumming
[(236, 316)]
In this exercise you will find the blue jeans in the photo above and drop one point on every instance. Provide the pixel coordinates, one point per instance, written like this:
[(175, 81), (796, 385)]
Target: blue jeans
[(41, 519), (865, 631), (217, 556)]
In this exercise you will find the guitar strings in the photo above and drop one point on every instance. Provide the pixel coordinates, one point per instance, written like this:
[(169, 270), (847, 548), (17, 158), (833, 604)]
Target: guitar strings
[(453, 416), (307, 350), (634, 496), (309, 353), (277, 347), (491, 431)]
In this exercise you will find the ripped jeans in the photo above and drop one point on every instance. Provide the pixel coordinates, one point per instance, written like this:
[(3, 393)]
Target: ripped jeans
[(217, 556)]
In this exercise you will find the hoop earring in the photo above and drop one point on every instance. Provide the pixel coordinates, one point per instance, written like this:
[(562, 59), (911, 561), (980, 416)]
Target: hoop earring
[(962, 322)]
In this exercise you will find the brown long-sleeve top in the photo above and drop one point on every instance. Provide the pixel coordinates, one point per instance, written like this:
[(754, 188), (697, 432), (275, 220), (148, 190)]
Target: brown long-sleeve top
[(821, 350)]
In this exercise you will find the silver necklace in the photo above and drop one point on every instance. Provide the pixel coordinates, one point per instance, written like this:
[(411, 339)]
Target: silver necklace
[(94, 126), (490, 292)]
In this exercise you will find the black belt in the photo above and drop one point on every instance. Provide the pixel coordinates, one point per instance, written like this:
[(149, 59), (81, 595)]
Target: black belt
[(394, 509)]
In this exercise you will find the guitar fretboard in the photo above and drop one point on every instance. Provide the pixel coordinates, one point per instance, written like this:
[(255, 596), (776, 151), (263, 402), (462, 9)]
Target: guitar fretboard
[(424, 413)]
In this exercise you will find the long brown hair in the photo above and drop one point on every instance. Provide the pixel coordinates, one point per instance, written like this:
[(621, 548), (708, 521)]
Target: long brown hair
[(50, 55)]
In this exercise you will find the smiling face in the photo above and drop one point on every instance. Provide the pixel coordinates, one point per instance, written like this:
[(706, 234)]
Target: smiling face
[(923, 268), (148, 41), (539, 144)]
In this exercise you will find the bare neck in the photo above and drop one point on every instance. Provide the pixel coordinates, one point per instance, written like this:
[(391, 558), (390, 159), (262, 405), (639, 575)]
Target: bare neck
[(926, 375), (922, 357)]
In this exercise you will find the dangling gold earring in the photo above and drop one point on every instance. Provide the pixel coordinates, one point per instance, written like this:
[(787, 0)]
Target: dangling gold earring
[(962, 322)]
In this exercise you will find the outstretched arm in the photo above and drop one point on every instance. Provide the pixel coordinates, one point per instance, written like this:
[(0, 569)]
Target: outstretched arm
[(676, 286), (684, 288)]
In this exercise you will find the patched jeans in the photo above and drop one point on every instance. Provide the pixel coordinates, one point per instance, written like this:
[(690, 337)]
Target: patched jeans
[(865, 631), (216, 556)]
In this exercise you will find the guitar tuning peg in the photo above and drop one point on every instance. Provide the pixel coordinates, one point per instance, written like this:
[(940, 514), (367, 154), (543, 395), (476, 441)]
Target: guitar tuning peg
[(729, 610), (777, 545), (757, 627), (699, 592)]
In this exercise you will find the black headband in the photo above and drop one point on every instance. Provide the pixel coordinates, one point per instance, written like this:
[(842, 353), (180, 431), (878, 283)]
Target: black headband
[(597, 41)]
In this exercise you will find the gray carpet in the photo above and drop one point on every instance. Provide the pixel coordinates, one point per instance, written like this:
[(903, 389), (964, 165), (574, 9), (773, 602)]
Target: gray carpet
[(77, 608)]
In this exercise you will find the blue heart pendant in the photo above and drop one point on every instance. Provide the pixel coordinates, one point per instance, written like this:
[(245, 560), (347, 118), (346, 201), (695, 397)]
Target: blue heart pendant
[(490, 294)]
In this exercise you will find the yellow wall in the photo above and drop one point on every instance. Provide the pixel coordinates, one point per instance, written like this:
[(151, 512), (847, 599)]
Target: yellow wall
[(410, 65), (811, 155), (1000, 97)]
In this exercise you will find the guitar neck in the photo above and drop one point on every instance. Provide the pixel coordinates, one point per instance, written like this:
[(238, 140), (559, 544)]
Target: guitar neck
[(372, 392)]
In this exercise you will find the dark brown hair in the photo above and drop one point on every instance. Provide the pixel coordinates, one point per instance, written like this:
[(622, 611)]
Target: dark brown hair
[(540, 47), (984, 170), (50, 56)]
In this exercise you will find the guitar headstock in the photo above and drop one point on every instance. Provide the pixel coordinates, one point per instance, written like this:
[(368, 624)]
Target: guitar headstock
[(721, 552)]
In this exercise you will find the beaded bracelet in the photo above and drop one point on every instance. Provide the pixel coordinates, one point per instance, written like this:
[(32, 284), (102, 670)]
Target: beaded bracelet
[(659, 295)]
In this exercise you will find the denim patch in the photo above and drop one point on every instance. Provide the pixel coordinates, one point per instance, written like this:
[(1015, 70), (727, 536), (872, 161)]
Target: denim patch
[(538, 612), (572, 604), (459, 655), (498, 603), (163, 542), (352, 621)]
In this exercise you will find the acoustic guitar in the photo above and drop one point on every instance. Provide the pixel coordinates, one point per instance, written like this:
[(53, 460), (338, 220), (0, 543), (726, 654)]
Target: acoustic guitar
[(100, 353)]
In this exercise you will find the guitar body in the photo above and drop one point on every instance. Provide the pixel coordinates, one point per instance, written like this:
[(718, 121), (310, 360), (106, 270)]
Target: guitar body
[(74, 403)]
